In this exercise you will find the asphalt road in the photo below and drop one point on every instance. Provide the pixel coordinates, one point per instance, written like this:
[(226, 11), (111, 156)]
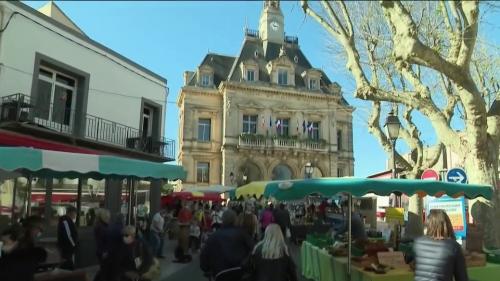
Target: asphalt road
[(192, 271)]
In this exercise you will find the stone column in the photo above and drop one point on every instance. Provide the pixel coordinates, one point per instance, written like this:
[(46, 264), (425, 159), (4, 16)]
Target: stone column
[(155, 196), (112, 196)]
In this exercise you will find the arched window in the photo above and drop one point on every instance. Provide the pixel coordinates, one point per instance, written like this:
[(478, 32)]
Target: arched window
[(282, 172)]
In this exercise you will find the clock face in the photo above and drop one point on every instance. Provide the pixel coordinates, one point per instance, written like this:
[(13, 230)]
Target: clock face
[(275, 25)]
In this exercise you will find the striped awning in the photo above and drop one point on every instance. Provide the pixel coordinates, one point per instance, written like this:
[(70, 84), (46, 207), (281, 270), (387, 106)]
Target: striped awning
[(57, 164)]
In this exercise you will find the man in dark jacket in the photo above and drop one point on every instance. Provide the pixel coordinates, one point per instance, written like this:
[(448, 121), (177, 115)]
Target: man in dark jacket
[(67, 238), (227, 248), (19, 260), (282, 218)]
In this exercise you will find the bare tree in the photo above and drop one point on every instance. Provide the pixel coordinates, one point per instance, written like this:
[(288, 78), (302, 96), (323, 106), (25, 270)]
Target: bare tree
[(419, 57)]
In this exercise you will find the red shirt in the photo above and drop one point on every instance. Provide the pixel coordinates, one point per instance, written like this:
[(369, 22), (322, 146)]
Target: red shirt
[(184, 216)]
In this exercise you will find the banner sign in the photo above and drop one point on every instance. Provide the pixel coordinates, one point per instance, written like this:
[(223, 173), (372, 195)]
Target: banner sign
[(395, 215), (455, 208)]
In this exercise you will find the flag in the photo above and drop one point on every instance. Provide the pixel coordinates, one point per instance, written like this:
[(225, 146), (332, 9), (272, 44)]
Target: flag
[(310, 127), (297, 126), (303, 126), (270, 122), (278, 123)]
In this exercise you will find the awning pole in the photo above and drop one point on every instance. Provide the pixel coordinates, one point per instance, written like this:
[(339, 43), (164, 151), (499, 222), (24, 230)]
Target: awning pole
[(79, 201), (28, 197), (349, 238), (129, 207), (13, 209)]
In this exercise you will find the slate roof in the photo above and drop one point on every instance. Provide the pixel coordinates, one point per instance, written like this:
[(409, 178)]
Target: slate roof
[(227, 68), (221, 65), (495, 108)]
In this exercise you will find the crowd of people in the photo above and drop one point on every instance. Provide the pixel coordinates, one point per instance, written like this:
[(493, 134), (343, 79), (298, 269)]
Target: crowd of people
[(247, 238)]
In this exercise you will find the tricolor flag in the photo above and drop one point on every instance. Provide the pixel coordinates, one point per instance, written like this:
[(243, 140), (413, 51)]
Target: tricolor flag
[(310, 127), (278, 123)]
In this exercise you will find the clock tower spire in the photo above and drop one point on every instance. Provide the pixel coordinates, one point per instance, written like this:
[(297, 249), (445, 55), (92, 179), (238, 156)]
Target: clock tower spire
[(271, 24)]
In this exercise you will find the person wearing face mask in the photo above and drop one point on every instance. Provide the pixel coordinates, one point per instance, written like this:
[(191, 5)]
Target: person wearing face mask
[(18, 261), (67, 238), (130, 259)]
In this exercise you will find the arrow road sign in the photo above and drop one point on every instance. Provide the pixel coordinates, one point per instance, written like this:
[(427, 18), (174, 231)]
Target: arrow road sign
[(457, 175)]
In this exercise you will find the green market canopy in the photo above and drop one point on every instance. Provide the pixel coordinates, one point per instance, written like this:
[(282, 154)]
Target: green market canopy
[(57, 164), (298, 189)]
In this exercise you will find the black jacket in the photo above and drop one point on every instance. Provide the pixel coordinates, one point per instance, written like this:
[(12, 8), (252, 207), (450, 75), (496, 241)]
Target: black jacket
[(101, 235), (282, 218), (282, 269), (439, 260), (21, 263), (228, 247), (67, 235)]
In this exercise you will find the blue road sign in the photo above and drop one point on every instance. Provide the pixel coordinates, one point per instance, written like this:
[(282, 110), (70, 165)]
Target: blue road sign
[(456, 175)]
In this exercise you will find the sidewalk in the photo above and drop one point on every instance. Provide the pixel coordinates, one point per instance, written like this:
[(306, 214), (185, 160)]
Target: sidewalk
[(167, 266)]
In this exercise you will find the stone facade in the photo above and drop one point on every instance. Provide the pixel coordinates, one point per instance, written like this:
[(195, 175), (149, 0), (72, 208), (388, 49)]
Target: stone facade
[(263, 114)]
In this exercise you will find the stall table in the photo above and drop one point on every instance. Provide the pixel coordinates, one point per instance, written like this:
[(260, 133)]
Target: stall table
[(319, 265), (299, 231)]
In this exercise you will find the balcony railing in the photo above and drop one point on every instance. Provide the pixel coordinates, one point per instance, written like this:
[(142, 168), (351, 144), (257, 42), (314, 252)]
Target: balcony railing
[(254, 141), (57, 117)]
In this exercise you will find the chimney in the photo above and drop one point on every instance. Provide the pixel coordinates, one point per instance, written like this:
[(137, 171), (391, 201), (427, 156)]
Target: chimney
[(187, 76)]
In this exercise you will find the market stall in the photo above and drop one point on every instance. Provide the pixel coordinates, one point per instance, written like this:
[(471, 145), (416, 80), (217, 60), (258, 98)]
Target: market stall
[(190, 196), (296, 189)]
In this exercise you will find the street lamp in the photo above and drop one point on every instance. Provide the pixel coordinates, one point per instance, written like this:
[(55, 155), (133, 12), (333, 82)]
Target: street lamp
[(393, 125), (309, 170)]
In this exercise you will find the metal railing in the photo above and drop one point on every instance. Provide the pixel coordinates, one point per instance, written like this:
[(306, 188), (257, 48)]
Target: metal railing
[(252, 33), (59, 118), (292, 39), (281, 143)]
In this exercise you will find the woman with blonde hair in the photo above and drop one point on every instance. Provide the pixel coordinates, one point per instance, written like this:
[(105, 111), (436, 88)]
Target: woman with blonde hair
[(271, 259), (438, 256)]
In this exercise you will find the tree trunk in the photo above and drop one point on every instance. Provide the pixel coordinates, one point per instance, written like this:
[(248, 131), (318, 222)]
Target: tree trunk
[(484, 171), (415, 226)]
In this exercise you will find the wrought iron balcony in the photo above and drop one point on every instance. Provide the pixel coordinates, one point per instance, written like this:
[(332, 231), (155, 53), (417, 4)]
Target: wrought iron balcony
[(59, 118)]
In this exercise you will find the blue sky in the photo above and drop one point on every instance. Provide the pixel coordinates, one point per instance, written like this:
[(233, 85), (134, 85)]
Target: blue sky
[(172, 37)]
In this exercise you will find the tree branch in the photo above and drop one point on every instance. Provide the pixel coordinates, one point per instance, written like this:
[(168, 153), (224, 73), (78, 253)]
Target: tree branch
[(376, 131), (347, 18), (333, 17), (433, 155), (455, 35), (470, 11)]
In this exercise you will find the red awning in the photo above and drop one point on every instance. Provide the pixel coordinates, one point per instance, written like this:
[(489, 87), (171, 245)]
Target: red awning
[(190, 196), (14, 139)]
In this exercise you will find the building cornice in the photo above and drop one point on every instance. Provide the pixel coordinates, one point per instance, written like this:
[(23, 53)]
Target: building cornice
[(278, 90)]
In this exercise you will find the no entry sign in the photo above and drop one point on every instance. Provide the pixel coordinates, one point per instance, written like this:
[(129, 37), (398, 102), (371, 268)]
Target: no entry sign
[(430, 174)]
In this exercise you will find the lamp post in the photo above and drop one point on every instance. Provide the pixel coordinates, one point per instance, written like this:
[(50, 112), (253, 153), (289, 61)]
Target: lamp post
[(392, 126), (309, 170)]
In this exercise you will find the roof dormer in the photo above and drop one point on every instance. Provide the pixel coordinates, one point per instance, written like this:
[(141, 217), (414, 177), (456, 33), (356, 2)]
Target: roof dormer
[(312, 78), (205, 76), (282, 70), (249, 70)]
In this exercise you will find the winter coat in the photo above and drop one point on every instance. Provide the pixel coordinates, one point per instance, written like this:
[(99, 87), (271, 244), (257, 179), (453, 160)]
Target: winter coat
[(228, 247), (21, 263), (281, 269), (67, 235), (439, 260)]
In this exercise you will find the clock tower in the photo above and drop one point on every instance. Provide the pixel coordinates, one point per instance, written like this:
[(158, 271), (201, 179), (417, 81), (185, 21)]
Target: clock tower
[(271, 24)]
